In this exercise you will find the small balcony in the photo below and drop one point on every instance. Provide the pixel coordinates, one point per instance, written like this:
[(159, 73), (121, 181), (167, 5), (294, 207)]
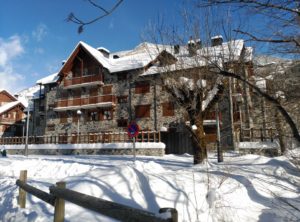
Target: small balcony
[(82, 81), (85, 103)]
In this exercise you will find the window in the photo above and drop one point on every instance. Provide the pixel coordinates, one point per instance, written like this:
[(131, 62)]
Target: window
[(85, 72), (94, 92), (76, 93), (107, 89), (168, 109), (122, 99), (75, 117), (122, 122), (63, 94), (51, 127), (63, 117), (5, 115), (142, 87), (142, 111), (93, 116), (107, 115), (122, 76)]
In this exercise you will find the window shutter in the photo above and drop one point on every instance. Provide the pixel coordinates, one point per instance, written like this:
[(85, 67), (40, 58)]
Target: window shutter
[(168, 109), (107, 89), (142, 87), (142, 111)]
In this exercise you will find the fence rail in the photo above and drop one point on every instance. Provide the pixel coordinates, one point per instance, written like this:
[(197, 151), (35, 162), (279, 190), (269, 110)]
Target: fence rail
[(118, 137), (257, 134), (58, 194)]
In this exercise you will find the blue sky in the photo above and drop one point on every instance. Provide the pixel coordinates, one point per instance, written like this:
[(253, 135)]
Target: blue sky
[(35, 38)]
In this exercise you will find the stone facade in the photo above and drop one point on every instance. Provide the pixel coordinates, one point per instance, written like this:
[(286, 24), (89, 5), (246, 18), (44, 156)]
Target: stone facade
[(124, 96)]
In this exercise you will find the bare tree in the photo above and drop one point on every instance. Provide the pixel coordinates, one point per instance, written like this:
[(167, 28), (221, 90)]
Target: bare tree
[(103, 12), (280, 21)]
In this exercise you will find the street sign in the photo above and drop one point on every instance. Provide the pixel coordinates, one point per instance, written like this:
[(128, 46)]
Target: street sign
[(133, 130)]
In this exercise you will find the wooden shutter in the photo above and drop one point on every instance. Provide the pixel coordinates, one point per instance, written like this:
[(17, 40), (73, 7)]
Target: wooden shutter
[(142, 111), (168, 109), (107, 89), (63, 117), (142, 87)]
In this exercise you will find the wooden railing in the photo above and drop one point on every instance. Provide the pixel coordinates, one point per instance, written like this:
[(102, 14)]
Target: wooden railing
[(58, 194), (82, 80), (257, 134), (85, 101), (115, 137)]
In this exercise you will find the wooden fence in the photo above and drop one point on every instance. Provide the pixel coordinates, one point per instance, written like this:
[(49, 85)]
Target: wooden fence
[(58, 194), (113, 137), (257, 134)]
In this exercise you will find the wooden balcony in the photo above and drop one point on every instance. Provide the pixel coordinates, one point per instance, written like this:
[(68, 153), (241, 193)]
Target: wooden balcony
[(83, 81), (85, 103), (8, 121)]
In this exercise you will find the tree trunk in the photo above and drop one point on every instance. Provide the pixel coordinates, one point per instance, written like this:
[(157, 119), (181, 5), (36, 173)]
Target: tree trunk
[(199, 142), (280, 134)]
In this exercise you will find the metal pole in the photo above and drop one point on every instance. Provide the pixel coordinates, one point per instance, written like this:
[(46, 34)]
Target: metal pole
[(78, 122), (78, 129), (220, 154), (134, 154), (27, 131)]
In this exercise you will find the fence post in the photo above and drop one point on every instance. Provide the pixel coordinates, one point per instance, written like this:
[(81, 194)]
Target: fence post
[(59, 208), (22, 193), (172, 211), (261, 134)]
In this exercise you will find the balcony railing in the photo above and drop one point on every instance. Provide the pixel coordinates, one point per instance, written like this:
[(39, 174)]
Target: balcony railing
[(104, 137), (97, 101), (78, 81), (9, 120)]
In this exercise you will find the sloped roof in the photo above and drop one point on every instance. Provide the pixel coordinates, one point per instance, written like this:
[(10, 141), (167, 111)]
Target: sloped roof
[(8, 94), (48, 79), (213, 55), (9, 106), (146, 52)]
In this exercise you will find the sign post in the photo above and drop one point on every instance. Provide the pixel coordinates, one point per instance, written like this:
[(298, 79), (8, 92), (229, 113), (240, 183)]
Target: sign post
[(133, 131)]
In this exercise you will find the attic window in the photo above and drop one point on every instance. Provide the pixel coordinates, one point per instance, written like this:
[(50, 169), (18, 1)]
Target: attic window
[(116, 56), (105, 52), (216, 40)]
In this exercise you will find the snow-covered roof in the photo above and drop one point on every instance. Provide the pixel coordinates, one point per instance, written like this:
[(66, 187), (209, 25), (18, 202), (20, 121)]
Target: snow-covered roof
[(48, 79), (213, 55), (217, 37), (10, 95), (8, 106), (103, 49), (28, 94), (144, 53), (129, 60)]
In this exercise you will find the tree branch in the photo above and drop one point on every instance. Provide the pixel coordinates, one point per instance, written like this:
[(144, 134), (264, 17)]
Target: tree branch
[(81, 23), (291, 40)]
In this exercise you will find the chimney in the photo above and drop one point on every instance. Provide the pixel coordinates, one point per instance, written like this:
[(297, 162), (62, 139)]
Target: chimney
[(176, 49), (192, 47), (216, 40), (105, 52), (198, 44)]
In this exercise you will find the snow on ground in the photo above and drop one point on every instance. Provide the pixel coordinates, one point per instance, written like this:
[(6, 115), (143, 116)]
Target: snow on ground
[(242, 188)]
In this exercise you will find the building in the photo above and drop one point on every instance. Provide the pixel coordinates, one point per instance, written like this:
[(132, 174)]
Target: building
[(98, 91), (11, 115)]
